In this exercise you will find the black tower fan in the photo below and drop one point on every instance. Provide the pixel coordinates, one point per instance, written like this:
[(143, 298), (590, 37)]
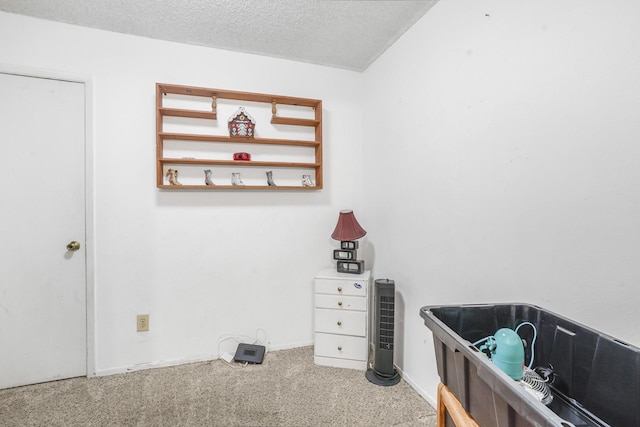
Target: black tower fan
[(383, 373)]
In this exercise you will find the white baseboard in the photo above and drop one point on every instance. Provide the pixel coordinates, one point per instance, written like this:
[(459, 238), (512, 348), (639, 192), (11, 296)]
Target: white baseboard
[(156, 364), (426, 396), (290, 345), (182, 361)]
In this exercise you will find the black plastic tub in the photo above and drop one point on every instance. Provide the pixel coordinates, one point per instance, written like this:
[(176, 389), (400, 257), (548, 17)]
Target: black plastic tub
[(596, 378)]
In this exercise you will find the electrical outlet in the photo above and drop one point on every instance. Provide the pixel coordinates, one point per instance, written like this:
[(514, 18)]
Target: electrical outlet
[(143, 322)]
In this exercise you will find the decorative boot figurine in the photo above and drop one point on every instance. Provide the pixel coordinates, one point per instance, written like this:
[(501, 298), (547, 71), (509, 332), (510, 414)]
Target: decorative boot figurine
[(235, 179), (270, 179), (207, 177), (306, 181), (172, 176)]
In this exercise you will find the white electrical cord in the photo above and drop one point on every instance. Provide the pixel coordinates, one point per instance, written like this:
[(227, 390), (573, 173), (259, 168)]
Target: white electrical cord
[(533, 341)]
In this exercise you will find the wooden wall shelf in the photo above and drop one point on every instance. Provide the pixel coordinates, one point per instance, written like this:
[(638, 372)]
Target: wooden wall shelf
[(212, 133)]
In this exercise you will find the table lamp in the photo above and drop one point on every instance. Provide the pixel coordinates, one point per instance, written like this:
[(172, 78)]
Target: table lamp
[(348, 231)]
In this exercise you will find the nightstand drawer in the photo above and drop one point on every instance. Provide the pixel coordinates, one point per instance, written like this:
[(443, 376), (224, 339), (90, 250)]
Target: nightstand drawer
[(341, 346), (341, 302), (340, 322), (341, 287)]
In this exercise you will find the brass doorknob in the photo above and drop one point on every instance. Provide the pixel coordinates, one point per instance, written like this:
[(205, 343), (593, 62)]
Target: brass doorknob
[(73, 246)]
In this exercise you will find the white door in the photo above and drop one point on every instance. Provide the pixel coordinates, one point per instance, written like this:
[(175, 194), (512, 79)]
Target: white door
[(42, 209)]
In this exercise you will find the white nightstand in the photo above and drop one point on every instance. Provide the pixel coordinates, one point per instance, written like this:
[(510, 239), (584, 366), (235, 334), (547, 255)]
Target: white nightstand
[(341, 319)]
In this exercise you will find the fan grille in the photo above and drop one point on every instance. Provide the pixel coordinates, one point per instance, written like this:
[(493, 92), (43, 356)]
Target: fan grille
[(536, 386), (386, 322)]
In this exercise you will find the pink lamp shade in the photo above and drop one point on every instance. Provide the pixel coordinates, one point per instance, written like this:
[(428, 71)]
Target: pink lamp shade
[(347, 228)]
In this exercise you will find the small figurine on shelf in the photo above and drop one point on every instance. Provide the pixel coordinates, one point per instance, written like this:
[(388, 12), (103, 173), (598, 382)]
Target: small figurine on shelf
[(242, 156), (172, 176), (235, 179), (306, 181), (242, 124), (207, 177), (270, 179)]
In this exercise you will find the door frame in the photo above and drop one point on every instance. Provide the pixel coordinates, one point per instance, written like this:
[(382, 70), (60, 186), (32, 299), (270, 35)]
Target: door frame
[(88, 189)]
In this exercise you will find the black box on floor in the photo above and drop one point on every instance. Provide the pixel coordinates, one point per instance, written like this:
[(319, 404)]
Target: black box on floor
[(596, 382), (250, 353)]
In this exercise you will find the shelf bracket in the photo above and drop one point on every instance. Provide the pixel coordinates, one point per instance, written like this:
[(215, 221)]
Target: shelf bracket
[(273, 110), (214, 105)]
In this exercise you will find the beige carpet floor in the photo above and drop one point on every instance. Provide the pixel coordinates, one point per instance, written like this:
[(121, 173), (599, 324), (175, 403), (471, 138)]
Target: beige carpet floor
[(286, 390)]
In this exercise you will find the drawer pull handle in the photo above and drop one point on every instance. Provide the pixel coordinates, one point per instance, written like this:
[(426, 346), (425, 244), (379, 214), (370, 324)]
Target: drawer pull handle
[(339, 289), (339, 323), (339, 348), (340, 303)]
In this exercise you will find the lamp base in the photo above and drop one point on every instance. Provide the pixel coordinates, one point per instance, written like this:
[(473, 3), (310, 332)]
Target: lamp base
[(348, 244), (345, 254), (353, 267)]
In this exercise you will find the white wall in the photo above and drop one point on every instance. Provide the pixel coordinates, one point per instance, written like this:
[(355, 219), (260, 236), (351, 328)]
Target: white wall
[(500, 147), (201, 263), (501, 164)]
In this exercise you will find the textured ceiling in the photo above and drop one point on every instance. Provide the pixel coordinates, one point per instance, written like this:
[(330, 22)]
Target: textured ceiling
[(343, 34)]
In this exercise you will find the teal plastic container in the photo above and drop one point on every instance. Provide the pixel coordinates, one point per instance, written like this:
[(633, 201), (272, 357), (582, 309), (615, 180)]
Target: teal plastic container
[(508, 353)]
